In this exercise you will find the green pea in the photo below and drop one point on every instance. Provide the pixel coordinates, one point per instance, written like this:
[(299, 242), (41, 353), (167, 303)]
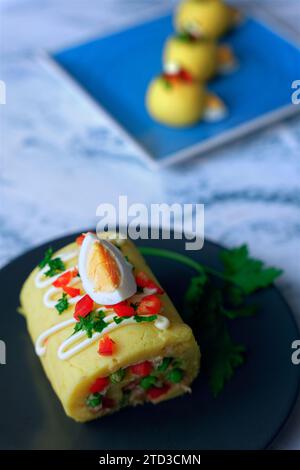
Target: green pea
[(175, 376), (94, 400), (165, 364), (118, 376), (147, 382)]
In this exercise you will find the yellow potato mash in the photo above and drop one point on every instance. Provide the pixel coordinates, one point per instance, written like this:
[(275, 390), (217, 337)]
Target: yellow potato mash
[(176, 102), (197, 56), (206, 18)]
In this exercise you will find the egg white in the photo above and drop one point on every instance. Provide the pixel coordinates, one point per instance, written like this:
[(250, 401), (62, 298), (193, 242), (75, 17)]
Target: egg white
[(127, 286), (215, 114)]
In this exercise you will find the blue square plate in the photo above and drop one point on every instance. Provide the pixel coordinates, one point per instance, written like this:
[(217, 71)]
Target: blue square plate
[(116, 70)]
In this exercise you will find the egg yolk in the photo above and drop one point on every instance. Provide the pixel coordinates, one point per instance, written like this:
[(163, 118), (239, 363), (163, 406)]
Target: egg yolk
[(102, 269)]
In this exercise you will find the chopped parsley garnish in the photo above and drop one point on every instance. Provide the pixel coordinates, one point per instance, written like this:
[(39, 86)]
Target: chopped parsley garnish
[(47, 257), (55, 265), (148, 382), (94, 400), (175, 376), (62, 304), (145, 318), (164, 364), (118, 376), (213, 299), (119, 320), (137, 318), (92, 323)]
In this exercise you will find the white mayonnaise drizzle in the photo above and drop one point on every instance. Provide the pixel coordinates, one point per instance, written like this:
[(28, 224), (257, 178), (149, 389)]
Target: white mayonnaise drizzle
[(48, 296), (42, 281), (40, 347), (64, 352)]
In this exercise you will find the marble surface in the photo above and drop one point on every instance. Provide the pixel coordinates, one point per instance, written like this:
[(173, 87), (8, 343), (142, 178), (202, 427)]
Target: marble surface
[(59, 160)]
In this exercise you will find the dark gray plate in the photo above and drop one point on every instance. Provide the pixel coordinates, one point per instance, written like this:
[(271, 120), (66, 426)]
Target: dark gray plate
[(247, 415)]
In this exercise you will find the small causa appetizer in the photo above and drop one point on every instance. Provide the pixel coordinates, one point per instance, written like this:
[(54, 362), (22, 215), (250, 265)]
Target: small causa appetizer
[(107, 334), (206, 18), (178, 100), (202, 58)]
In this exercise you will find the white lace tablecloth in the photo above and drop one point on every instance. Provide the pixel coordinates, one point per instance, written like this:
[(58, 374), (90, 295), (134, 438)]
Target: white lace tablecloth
[(58, 161)]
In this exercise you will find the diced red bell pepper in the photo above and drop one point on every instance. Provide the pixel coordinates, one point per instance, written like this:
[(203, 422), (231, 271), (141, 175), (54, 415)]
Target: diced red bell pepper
[(149, 305), (71, 291), (80, 238), (182, 74), (142, 369), (65, 278), (155, 392), (142, 280), (75, 272), (83, 307), (122, 309), (106, 346), (99, 385), (185, 76)]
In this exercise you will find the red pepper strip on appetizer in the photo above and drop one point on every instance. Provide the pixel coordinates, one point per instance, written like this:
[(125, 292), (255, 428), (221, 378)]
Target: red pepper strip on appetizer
[(122, 309), (143, 369), (65, 278), (99, 385), (80, 238), (149, 305), (83, 307), (155, 392), (71, 291), (106, 346), (181, 75), (142, 280)]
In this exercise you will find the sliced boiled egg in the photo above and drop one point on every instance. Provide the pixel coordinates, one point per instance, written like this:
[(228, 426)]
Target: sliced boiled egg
[(105, 274), (226, 59), (215, 109)]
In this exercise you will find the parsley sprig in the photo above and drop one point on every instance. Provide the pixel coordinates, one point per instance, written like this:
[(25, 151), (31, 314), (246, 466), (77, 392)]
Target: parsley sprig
[(213, 299), (55, 265), (47, 257), (92, 323), (137, 318), (62, 304)]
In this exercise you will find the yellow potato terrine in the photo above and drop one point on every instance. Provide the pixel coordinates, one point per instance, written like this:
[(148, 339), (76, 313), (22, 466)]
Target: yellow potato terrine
[(106, 333)]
